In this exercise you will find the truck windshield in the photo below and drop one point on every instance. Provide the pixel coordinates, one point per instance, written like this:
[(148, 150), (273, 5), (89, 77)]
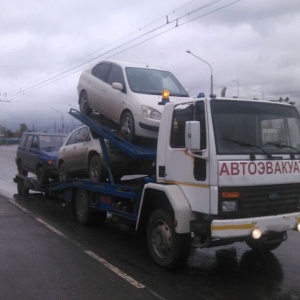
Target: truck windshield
[(243, 127), (153, 82)]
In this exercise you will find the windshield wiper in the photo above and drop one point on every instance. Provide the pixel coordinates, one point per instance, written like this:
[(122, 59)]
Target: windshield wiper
[(281, 146), (245, 144)]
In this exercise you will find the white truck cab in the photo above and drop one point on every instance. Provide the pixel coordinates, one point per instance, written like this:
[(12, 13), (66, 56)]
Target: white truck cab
[(230, 170)]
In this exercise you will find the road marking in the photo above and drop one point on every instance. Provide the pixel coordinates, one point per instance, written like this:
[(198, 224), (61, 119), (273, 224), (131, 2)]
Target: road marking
[(114, 269), (50, 227), (101, 260)]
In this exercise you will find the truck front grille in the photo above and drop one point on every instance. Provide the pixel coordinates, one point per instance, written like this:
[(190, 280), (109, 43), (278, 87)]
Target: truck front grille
[(265, 200)]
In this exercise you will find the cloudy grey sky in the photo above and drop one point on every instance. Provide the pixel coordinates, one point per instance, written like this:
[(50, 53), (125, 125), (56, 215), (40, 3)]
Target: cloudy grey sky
[(252, 45)]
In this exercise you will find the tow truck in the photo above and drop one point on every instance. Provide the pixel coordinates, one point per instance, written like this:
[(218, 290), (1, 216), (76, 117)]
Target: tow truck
[(227, 170)]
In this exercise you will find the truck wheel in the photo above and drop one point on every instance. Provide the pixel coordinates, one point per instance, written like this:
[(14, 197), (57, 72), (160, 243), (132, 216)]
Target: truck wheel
[(127, 126), (22, 190), (84, 104), (96, 170), (41, 176), (82, 206), (62, 173), (260, 245), (167, 248)]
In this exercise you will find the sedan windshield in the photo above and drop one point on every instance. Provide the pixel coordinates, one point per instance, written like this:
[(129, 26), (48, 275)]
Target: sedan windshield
[(153, 82), (255, 128)]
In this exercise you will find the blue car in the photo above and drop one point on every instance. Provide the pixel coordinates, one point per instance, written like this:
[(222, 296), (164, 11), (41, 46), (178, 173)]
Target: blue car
[(37, 154)]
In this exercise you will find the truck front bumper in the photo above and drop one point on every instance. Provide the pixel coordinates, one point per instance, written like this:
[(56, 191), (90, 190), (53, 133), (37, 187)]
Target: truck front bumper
[(243, 227)]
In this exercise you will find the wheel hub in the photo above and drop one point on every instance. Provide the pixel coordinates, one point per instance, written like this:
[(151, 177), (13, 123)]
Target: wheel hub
[(81, 206), (162, 240), (126, 129)]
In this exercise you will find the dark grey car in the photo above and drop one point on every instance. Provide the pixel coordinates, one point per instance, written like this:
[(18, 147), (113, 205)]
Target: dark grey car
[(81, 156)]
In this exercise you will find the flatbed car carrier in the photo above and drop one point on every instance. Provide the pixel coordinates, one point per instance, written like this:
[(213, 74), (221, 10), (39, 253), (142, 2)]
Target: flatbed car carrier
[(225, 172)]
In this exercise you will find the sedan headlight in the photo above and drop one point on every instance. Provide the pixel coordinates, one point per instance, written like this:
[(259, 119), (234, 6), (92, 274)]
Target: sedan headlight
[(151, 113)]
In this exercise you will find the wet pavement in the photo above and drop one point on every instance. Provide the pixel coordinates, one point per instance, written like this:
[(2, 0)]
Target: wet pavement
[(230, 272), (38, 263)]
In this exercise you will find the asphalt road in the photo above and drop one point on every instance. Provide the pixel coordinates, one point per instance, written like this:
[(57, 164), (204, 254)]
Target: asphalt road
[(46, 254), (40, 262)]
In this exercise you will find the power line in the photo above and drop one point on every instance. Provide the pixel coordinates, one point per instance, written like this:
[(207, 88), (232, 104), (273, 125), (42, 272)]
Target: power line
[(78, 67), (46, 78)]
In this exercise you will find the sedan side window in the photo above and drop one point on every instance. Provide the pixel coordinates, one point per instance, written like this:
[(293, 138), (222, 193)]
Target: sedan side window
[(101, 71), (83, 135), (116, 75), (73, 138)]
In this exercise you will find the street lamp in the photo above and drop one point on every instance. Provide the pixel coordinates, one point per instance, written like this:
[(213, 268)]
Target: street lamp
[(62, 119), (211, 71)]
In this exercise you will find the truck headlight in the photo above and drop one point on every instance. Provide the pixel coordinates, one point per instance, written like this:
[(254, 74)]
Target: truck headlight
[(151, 113), (230, 201), (229, 206)]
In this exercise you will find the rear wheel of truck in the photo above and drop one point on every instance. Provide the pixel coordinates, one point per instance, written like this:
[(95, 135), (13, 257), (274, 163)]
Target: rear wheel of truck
[(82, 206), (168, 249)]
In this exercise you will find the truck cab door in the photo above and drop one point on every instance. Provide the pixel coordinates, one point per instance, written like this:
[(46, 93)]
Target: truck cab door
[(180, 167)]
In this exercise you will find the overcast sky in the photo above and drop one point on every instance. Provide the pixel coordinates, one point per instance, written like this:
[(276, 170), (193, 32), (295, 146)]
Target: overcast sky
[(251, 45)]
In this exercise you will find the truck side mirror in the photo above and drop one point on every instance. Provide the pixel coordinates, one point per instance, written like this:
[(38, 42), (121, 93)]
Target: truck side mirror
[(192, 135)]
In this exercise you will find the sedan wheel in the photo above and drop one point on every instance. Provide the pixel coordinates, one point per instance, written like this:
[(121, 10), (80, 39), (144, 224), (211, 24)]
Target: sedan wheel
[(84, 104), (127, 126), (62, 172), (96, 170)]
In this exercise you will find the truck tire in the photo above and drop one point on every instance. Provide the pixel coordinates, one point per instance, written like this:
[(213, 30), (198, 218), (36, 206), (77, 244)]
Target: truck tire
[(261, 246), (167, 248), (82, 206), (84, 103), (127, 126), (41, 176), (97, 172)]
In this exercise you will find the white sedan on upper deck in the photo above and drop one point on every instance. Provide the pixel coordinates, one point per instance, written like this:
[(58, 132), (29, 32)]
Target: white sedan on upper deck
[(129, 94)]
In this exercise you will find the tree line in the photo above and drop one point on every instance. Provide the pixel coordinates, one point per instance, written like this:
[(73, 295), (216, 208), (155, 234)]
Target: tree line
[(8, 133)]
